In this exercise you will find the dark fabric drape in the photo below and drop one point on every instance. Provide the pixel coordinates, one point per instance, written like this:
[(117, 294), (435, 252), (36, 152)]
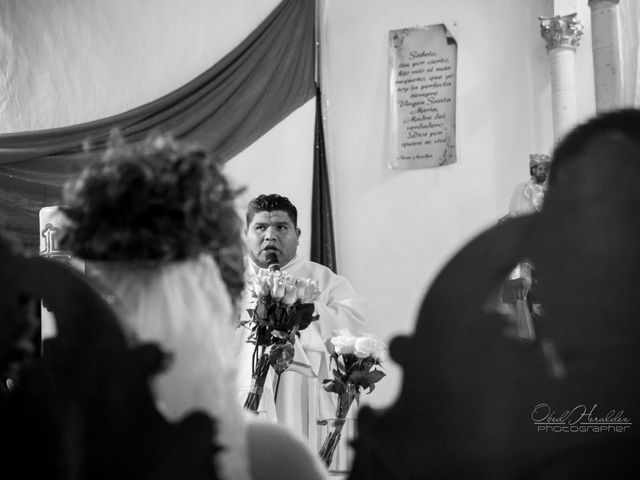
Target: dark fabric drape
[(322, 241), (269, 75)]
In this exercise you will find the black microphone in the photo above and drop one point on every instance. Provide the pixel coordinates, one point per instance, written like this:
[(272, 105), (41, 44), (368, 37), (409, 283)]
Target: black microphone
[(273, 262)]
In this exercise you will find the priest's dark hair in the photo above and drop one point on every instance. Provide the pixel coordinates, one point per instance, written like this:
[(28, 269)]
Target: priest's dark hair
[(270, 203)]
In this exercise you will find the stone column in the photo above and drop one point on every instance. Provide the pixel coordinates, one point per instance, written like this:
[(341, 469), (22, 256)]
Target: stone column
[(562, 36), (606, 54)]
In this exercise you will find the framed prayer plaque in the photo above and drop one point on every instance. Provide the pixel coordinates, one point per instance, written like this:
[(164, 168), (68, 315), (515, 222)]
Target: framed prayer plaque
[(422, 97)]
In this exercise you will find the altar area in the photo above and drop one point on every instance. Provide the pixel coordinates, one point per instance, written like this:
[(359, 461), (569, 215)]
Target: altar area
[(298, 97)]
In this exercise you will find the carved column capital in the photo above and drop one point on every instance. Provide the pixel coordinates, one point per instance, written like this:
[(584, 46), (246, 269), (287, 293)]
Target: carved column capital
[(592, 3), (561, 31)]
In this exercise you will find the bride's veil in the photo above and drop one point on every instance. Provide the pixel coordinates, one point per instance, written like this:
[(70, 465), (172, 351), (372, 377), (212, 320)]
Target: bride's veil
[(184, 306)]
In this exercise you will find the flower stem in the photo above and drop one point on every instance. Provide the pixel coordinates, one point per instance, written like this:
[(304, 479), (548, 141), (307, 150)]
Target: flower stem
[(275, 395), (330, 443), (257, 384), (329, 446)]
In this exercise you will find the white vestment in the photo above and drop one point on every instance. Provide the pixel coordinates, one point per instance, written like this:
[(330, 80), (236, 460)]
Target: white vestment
[(300, 401), (527, 198)]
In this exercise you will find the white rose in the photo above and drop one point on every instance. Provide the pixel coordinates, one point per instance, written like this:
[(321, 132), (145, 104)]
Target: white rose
[(301, 286), (363, 346), (344, 344), (261, 286), (379, 351), (277, 289), (343, 332), (289, 297), (311, 292), (370, 346)]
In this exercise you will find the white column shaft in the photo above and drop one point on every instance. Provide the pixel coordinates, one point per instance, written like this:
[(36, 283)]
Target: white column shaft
[(563, 90), (606, 54)]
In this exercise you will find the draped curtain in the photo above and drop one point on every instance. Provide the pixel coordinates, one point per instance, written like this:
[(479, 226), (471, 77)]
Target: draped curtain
[(322, 243), (229, 106)]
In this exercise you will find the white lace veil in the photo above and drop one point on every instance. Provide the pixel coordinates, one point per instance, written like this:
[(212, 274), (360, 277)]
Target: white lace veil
[(185, 308)]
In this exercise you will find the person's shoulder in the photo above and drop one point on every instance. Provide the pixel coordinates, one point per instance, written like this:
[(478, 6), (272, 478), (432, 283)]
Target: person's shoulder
[(519, 192), (521, 186), (308, 268), (322, 268), (275, 453)]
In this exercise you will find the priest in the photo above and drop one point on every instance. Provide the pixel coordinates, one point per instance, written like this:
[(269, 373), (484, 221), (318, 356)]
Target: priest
[(272, 237)]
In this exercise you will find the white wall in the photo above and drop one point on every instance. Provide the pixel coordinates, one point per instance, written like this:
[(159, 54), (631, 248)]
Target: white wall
[(281, 162), (70, 61), (396, 229)]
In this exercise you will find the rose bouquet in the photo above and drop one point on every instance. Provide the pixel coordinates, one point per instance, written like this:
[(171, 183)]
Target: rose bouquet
[(355, 359), (283, 308)]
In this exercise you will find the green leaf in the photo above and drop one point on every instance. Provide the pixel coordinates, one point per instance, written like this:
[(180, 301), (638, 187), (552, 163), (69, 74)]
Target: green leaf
[(330, 347), (358, 376), (375, 376), (329, 386), (303, 316), (339, 386), (280, 334), (281, 357), (261, 310)]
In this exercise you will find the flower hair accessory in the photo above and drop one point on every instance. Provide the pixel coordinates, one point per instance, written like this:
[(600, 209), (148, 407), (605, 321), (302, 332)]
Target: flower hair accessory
[(157, 200)]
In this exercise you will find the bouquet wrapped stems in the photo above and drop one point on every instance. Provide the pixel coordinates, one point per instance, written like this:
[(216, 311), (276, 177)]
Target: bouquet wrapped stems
[(257, 383), (283, 307), (345, 399)]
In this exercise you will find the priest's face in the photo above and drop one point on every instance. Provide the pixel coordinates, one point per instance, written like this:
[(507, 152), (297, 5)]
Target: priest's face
[(272, 232)]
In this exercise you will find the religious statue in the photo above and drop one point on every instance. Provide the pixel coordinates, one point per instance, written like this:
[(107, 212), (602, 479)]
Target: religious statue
[(528, 196)]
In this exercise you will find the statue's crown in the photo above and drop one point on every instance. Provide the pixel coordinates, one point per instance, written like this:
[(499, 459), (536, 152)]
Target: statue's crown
[(538, 158)]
